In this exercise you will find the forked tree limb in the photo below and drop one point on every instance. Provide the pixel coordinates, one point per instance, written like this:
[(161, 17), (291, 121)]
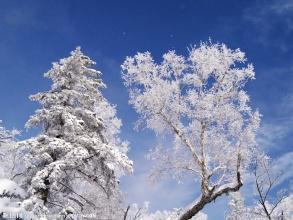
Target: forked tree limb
[(212, 195), (208, 194), (264, 191)]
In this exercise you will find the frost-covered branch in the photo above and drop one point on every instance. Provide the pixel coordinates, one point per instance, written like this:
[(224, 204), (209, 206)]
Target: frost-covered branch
[(200, 103), (134, 212), (74, 165), (265, 181)]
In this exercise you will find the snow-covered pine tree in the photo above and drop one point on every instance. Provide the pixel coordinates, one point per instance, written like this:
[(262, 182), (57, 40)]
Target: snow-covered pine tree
[(5, 135), (10, 193), (8, 153), (74, 165)]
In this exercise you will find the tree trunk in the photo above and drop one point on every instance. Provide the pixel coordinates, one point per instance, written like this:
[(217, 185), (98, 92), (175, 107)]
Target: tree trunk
[(194, 209), (205, 199)]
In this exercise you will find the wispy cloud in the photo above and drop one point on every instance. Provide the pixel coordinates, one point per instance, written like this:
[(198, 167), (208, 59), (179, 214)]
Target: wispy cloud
[(271, 135), (276, 103), (275, 132), (163, 195), (33, 18), (272, 20), (284, 166), (19, 17)]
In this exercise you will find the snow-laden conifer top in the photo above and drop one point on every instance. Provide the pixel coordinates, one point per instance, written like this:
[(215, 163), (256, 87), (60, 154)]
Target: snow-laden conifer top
[(76, 161)]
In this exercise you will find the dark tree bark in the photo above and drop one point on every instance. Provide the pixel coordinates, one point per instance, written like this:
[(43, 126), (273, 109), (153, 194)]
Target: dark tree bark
[(211, 195)]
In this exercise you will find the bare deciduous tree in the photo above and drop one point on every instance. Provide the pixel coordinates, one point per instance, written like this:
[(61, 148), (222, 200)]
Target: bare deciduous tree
[(265, 181)]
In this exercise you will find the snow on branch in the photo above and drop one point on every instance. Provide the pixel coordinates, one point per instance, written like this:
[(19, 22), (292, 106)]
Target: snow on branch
[(199, 101)]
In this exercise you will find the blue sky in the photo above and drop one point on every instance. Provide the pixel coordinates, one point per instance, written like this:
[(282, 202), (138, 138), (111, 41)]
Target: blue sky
[(33, 34)]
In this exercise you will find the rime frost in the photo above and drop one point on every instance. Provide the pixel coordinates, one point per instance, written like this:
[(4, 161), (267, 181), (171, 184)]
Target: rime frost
[(143, 213), (200, 101), (74, 165), (239, 211)]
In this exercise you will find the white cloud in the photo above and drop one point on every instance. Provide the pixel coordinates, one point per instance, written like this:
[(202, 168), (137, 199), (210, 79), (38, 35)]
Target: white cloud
[(284, 165), (163, 195), (281, 6), (274, 132), (30, 17), (267, 16), (281, 9), (271, 135)]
